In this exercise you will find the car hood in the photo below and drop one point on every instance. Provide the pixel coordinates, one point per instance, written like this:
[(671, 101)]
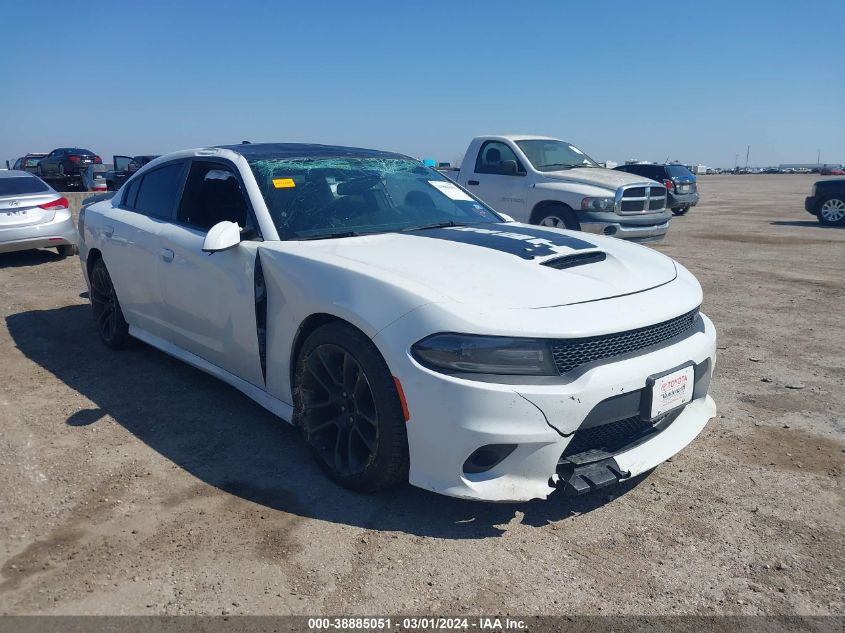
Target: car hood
[(507, 265), (609, 178)]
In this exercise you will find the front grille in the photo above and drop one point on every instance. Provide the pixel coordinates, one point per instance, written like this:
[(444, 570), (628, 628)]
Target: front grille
[(571, 353), (608, 438), (641, 199)]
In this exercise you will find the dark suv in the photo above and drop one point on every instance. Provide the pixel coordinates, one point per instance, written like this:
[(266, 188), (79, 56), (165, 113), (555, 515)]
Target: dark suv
[(827, 201), (679, 181), (66, 163)]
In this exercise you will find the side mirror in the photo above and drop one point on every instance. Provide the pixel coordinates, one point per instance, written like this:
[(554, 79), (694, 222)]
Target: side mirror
[(508, 167), (222, 236)]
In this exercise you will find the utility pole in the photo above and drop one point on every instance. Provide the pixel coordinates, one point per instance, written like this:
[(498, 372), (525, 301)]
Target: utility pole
[(747, 151), (736, 161), (818, 157)]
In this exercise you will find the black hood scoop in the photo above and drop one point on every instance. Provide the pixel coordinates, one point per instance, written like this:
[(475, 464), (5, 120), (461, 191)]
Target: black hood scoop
[(577, 259)]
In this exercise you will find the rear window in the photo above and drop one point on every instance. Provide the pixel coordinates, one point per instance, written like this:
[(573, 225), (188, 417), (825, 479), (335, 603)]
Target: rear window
[(22, 185), (78, 150), (32, 162), (676, 171)]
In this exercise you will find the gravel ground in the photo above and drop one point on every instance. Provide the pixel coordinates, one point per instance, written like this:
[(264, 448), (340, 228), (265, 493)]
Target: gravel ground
[(133, 484)]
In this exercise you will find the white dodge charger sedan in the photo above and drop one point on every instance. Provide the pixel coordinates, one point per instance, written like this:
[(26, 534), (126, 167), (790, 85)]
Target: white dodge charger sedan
[(411, 332)]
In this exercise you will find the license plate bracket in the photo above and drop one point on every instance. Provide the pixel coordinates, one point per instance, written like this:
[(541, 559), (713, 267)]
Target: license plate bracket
[(668, 390)]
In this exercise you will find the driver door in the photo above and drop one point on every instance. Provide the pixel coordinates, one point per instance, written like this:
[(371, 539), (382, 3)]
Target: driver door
[(503, 191), (209, 299)]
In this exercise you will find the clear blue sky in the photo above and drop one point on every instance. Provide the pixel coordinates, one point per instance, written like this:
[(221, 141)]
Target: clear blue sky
[(694, 81)]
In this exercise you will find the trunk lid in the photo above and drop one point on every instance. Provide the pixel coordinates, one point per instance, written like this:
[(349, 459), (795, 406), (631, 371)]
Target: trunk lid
[(23, 210)]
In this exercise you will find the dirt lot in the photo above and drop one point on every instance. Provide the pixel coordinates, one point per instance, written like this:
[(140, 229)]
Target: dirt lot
[(131, 483)]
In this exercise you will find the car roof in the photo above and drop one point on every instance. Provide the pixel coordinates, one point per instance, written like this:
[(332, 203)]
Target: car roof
[(258, 151), (16, 173)]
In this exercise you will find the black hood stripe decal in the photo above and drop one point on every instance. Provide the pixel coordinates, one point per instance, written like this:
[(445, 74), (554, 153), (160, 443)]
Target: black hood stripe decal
[(521, 241)]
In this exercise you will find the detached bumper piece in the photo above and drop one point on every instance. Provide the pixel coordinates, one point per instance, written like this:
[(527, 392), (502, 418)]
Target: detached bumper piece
[(579, 480), (588, 462)]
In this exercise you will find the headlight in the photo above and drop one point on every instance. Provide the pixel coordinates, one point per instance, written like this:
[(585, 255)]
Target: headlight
[(597, 204), (469, 353)]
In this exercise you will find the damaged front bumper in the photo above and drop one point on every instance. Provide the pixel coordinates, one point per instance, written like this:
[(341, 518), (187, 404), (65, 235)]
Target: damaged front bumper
[(509, 442)]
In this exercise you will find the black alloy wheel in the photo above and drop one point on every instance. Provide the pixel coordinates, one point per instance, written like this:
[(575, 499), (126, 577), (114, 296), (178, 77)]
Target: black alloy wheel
[(349, 410)]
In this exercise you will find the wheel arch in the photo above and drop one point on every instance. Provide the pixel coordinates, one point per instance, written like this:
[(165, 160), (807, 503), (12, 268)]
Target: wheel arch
[(544, 206), (311, 323), (94, 255)]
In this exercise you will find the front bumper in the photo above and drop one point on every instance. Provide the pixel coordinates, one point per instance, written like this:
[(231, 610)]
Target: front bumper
[(810, 203), (452, 417), (649, 227), (57, 232)]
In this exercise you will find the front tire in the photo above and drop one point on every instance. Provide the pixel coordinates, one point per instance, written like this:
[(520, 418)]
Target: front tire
[(832, 211), (557, 217), (348, 408), (108, 317)]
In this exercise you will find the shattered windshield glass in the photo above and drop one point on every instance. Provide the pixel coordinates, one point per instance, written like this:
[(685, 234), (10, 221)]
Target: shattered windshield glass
[(314, 198)]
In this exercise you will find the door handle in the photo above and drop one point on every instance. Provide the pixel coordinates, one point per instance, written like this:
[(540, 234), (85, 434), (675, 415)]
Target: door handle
[(108, 231), (167, 255), (472, 182)]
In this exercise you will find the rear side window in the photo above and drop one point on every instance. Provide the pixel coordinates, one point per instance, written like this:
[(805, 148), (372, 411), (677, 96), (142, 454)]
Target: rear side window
[(22, 185), (131, 193), (158, 190)]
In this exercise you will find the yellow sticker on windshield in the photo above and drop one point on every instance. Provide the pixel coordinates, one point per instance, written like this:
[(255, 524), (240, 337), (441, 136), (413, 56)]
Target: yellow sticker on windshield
[(283, 183)]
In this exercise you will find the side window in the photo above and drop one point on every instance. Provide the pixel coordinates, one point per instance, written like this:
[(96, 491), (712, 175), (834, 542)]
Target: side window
[(131, 193), (492, 155), (213, 194), (158, 191)]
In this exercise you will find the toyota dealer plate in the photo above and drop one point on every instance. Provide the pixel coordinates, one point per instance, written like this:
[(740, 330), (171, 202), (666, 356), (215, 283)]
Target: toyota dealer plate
[(668, 391)]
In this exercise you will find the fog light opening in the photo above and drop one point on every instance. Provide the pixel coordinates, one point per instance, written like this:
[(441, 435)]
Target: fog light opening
[(484, 458), (610, 230)]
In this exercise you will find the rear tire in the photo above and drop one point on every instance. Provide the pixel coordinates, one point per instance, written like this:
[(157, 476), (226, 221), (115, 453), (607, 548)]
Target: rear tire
[(831, 211), (348, 408), (66, 250), (556, 216), (680, 210), (108, 317)]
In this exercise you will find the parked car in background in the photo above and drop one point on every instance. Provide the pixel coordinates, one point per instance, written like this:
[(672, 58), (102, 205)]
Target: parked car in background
[(123, 167), (94, 177), (408, 330), (30, 163), (33, 215), (546, 181), (832, 171), (827, 201), (680, 183), (62, 166)]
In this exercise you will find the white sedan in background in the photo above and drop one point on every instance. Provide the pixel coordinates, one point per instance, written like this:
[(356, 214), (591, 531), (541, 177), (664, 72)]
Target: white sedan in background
[(410, 331), (33, 215)]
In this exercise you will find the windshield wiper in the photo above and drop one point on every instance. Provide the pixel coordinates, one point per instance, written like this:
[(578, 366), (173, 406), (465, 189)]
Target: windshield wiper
[(435, 225), (328, 236)]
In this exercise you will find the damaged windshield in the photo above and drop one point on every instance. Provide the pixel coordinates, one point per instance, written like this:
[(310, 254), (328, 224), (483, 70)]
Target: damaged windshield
[(551, 155), (314, 198)]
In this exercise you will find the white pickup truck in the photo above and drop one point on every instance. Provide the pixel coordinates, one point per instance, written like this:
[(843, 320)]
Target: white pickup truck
[(551, 182)]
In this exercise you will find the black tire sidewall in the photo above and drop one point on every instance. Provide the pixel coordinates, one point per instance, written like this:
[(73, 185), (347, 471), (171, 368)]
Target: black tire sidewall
[(389, 467), (121, 339)]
